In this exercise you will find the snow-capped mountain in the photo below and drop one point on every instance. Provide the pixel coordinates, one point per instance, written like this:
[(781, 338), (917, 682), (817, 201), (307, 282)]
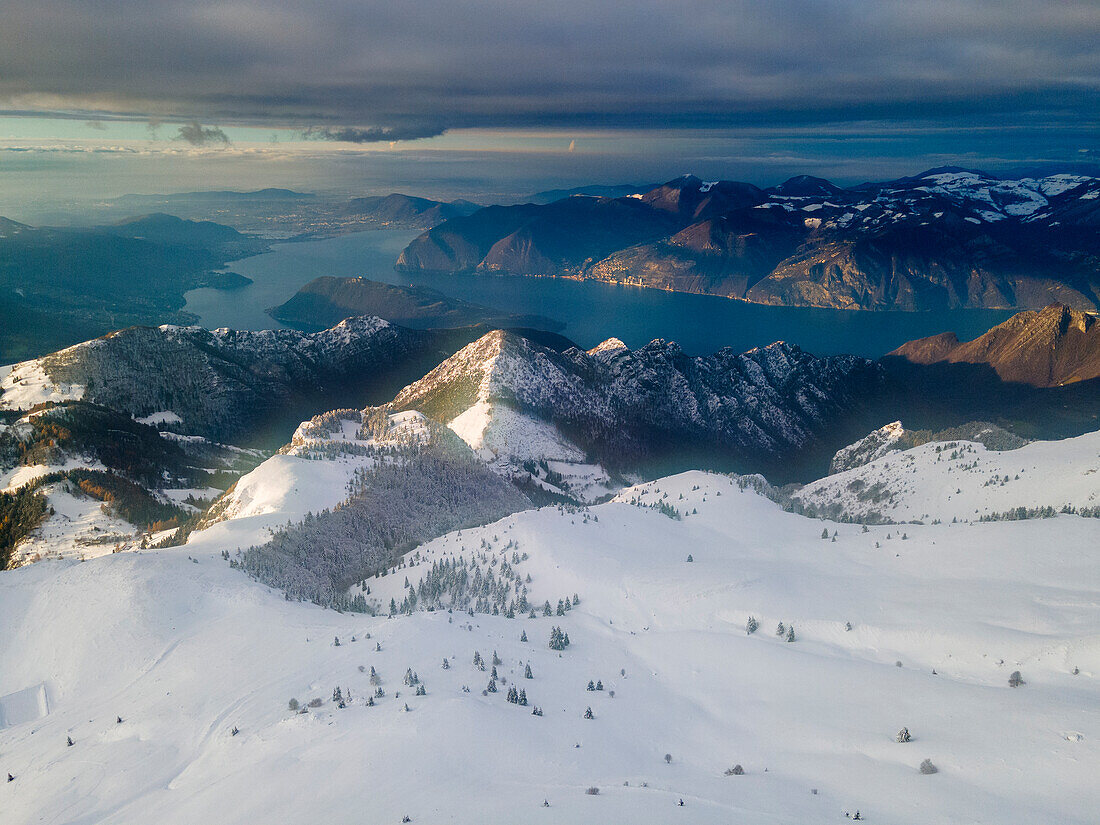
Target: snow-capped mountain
[(231, 384), (623, 410), (949, 237), (894, 436)]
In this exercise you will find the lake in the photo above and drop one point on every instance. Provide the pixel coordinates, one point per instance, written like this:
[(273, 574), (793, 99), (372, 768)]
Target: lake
[(592, 312)]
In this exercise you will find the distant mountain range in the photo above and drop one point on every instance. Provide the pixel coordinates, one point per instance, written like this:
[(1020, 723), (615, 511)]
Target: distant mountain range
[(283, 213), (59, 286), (947, 238)]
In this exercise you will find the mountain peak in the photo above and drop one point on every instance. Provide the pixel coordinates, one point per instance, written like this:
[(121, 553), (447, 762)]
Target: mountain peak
[(1045, 348), (805, 186), (610, 345)]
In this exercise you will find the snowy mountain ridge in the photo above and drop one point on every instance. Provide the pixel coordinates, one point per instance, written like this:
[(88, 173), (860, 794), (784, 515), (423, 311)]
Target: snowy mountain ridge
[(626, 407), (961, 480)]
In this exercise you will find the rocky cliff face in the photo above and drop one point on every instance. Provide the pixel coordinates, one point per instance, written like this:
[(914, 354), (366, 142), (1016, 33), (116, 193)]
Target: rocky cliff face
[(947, 238), (1049, 348)]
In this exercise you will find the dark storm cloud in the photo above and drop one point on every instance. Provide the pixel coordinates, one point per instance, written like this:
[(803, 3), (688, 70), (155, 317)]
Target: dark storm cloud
[(384, 69), (198, 135)]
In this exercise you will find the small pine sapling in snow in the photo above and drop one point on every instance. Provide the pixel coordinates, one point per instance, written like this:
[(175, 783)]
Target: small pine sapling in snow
[(492, 688), (847, 625), (335, 641), (446, 664), (599, 685), (523, 636), (522, 698), (496, 659), (926, 767), (790, 633), (690, 559), (591, 685), (780, 629), (527, 672), (69, 742), (751, 625), (903, 736), (1015, 680), (736, 770), (668, 758), (292, 704), (588, 714), (825, 533), (576, 599)]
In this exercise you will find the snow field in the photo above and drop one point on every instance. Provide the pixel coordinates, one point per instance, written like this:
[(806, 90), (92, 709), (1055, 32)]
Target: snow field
[(185, 651)]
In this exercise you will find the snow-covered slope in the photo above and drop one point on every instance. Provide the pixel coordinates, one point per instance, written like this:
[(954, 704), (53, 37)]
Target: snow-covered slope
[(314, 472), (186, 651), (962, 480)]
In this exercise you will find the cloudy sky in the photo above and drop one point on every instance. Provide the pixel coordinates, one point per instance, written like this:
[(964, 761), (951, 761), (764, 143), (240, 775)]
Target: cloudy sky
[(847, 87)]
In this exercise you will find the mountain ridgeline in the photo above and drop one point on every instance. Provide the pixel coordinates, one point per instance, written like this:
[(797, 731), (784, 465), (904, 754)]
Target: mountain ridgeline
[(1049, 348), (238, 386), (654, 407), (948, 238)]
